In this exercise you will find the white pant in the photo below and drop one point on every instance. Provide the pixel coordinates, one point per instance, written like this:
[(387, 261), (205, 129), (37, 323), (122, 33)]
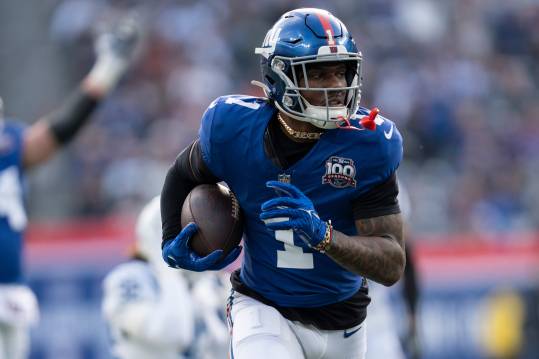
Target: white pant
[(260, 331), (18, 312), (14, 342), (383, 337)]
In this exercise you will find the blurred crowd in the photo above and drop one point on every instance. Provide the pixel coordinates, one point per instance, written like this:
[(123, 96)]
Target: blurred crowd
[(459, 78)]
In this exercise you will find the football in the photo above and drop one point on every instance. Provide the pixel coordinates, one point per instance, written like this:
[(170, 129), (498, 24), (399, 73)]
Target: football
[(215, 209)]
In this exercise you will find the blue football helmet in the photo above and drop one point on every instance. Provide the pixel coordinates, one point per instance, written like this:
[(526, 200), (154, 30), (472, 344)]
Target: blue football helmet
[(298, 39)]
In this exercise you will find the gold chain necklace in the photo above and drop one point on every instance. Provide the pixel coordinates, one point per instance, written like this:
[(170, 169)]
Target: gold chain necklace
[(299, 134)]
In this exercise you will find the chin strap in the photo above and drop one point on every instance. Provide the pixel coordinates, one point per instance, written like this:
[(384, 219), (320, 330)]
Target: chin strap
[(345, 124)]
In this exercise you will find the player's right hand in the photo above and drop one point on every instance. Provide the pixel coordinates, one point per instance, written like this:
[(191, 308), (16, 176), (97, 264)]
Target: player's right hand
[(178, 254)]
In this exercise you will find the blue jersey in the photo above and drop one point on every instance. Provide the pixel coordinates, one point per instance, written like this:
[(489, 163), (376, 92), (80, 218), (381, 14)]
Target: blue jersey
[(12, 212), (341, 166)]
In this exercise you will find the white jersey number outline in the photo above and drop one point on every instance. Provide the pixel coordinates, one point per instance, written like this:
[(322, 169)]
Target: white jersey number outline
[(11, 205), (292, 256), (239, 101)]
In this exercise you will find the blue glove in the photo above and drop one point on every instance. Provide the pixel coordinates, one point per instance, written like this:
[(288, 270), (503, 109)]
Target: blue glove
[(293, 211), (178, 254)]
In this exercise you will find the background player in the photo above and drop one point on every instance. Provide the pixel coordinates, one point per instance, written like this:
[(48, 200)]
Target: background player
[(154, 311), (385, 331), (22, 148), (315, 177), (147, 306)]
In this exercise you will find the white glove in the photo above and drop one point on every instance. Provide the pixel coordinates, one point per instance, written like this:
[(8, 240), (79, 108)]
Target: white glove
[(18, 306), (114, 50)]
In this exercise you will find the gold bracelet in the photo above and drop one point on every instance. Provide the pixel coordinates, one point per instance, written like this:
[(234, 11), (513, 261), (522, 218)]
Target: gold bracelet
[(323, 246)]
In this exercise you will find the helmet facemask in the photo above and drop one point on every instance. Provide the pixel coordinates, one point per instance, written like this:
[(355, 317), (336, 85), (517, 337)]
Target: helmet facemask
[(309, 37), (324, 115)]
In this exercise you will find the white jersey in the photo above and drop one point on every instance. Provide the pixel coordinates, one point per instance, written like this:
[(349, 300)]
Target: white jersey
[(210, 292), (149, 311), (18, 312)]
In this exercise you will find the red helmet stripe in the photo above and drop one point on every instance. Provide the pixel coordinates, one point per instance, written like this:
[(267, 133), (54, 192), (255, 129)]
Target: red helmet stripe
[(326, 25)]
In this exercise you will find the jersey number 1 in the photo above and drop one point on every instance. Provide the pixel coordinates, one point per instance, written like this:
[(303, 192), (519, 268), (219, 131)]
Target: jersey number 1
[(292, 256), (11, 203)]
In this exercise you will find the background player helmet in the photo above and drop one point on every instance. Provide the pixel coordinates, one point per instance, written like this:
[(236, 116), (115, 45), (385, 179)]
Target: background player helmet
[(148, 232), (299, 38)]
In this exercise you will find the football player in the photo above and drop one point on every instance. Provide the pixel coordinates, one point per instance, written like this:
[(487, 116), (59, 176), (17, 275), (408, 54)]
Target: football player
[(383, 336), (315, 176), (147, 305), (209, 292), (154, 311), (22, 148)]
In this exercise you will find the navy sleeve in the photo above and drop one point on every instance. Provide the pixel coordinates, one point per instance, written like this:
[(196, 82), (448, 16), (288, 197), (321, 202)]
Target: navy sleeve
[(391, 148), (380, 197), (207, 138)]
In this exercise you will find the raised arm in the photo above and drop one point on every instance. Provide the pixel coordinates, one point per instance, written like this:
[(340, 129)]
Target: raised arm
[(48, 134)]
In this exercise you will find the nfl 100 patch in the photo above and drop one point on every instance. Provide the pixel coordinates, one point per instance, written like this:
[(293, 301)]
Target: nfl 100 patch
[(340, 172)]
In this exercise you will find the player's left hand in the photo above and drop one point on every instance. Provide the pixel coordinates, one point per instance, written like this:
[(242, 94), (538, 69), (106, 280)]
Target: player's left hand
[(115, 49), (120, 39), (177, 253), (293, 210)]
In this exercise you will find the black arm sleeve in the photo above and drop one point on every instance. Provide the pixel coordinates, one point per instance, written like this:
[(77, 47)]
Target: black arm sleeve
[(188, 171), (66, 122), (381, 200), (410, 286)]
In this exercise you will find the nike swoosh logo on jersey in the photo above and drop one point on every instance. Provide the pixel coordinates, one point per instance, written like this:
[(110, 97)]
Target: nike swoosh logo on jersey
[(390, 133), (349, 334)]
